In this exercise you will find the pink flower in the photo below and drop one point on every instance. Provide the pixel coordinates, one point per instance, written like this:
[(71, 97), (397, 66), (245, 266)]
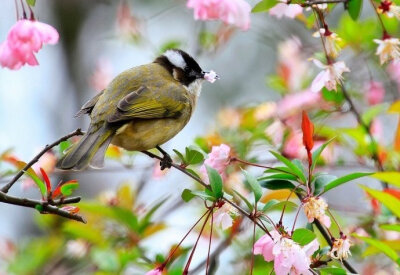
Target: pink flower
[(223, 216), (288, 10), (217, 159), (288, 256), (128, 25), (156, 271), (388, 49), (293, 147), (233, 12), (101, 76), (377, 129), (315, 209), (294, 103), (157, 172), (275, 132), (375, 92), (329, 77), (25, 39), (211, 76)]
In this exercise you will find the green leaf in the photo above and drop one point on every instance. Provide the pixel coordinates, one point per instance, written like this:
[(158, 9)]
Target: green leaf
[(215, 182), (316, 154), (194, 155), (294, 169), (249, 205), (269, 204), (187, 195), (263, 6), (391, 202), (372, 250), (354, 8), (321, 181), (384, 248), (389, 177), (255, 186), (31, 2), (290, 206), (145, 221), (64, 145), (344, 179), (390, 227), (32, 174), (280, 169), (68, 187), (281, 176), (105, 259), (204, 195), (277, 184), (303, 236), (180, 156), (332, 271), (332, 96), (373, 111), (88, 232)]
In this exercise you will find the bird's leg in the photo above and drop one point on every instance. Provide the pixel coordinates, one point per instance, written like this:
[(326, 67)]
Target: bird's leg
[(166, 161)]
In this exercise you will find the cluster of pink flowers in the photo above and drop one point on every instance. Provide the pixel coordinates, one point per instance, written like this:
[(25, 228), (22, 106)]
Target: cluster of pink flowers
[(233, 12), (25, 39), (288, 256), (217, 159)]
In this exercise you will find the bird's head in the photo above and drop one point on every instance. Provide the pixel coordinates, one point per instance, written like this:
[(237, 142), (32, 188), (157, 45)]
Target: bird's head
[(185, 69)]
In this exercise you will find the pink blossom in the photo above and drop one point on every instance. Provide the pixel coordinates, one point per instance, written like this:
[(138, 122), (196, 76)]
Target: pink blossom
[(156, 271), (223, 216), (293, 147), (25, 39), (315, 208), (294, 103), (288, 10), (329, 77), (102, 75), (275, 132), (288, 256), (233, 12), (157, 172), (377, 129), (388, 49), (375, 92), (217, 159), (211, 76)]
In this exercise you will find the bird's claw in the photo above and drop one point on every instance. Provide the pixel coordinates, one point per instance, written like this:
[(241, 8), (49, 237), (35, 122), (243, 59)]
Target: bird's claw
[(166, 162)]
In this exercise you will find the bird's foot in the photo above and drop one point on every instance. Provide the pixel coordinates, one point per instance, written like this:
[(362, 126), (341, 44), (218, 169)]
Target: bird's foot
[(166, 161)]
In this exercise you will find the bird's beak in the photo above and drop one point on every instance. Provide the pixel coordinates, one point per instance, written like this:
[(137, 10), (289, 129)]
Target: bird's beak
[(210, 76)]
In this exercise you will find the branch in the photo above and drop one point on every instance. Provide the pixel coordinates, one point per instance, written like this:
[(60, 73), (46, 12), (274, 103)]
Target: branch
[(316, 2), (44, 207), (7, 187), (183, 170)]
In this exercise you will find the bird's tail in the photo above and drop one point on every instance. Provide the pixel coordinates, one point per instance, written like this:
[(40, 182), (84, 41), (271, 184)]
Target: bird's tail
[(90, 150)]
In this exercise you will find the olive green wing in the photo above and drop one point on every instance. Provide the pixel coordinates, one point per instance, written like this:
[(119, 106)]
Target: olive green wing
[(145, 103), (89, 105)]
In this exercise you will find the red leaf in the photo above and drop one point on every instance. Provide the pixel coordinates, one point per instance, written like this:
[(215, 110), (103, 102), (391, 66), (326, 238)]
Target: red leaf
[(56, 192), (71, 209), (308, 132), (393, 192), (46, 180)]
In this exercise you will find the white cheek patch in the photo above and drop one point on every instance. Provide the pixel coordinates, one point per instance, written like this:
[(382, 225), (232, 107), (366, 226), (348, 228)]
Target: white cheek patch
[(175, 58)]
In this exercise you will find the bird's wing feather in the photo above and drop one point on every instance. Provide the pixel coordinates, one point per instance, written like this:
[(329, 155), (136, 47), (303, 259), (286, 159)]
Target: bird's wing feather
[(145, 103), (89, 105)]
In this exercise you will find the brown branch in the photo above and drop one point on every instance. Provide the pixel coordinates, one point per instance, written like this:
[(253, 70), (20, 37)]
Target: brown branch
[(183, 170), (43, 206), (7, 187), (316, 2)]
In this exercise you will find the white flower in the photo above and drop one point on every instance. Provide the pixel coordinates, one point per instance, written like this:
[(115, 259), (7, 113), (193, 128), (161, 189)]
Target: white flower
[(315, 209), (332, 41), (329, 77), (223, 216), (211, 76), (388, 49), (77, 248), (389, 8), (284, 9), (340, 249)]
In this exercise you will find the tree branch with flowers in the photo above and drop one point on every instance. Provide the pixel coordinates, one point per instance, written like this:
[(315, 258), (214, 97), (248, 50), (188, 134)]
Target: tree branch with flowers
[(260, 180)]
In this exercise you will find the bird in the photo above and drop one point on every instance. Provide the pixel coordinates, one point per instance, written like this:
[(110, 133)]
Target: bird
[(141, 109)]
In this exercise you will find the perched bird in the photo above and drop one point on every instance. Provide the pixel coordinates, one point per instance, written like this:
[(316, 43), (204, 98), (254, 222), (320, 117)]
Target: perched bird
[(141, 109)]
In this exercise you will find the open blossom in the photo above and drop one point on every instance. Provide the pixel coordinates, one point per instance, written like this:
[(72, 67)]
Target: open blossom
[(314, 208), (292, 104), (375, 92), (388, 49), (217, 159), (332, 41), (25, 39), (389, 9), (156, 271), (340, 248), (223, 216), (329, 77), (233, 12), (288, 10), (288, 256)]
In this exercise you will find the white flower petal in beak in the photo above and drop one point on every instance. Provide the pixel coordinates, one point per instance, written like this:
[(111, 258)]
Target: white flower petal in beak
[(211, 76)]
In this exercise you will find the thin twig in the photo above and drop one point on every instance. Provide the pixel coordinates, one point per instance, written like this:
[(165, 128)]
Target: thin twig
[(7, 187), (44, 206)]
